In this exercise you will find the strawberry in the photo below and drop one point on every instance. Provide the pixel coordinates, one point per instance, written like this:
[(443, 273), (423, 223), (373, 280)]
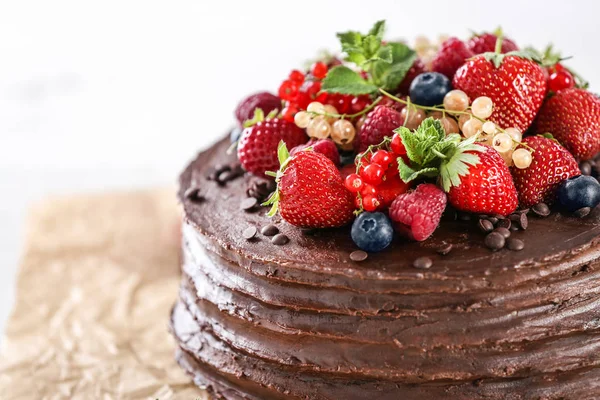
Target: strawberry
[(451, 56), (263, 100), (417, 214), (475, 176), (487, 188), (257, 148), (551, 164), (310, 191), (379, 123), (572, 116), (326, 147), (516, 85), (486, 42), (417, 69)]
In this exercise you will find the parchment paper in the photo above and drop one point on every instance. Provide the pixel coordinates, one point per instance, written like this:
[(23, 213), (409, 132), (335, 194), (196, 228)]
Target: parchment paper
[(97, 280)]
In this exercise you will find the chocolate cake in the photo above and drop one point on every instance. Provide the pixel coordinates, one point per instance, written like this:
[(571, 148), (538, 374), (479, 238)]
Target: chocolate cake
[(408, 226)]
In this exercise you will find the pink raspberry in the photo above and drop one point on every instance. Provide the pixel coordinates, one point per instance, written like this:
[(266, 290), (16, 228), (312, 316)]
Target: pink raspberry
[(416, 214), (263, 100), (451, 56), (324, 146), (380, 123)]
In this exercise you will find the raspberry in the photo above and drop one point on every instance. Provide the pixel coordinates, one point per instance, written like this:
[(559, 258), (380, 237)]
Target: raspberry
[(452, 55), (263, 100), (324, 146), (417, 214), (417, 69), (486, 42), (380, 123)]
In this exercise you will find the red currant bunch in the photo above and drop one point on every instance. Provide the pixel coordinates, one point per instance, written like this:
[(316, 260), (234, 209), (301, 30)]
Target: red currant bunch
[(377, 182), (348, 104)]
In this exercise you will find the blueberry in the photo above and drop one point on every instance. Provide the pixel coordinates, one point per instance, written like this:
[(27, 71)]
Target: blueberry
[(235, 134), (578, 192), (372, 232), (429, 89)]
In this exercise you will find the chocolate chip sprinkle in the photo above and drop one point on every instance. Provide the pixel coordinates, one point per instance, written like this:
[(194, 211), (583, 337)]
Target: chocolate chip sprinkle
[(248, 203), (515, 244), (269, 230), (493, 220), (445, 249), (485, 225), (504, 223), (423, 263), (541, 210), (503, 231), (193, 194), (494, 241), (261, 189), (359, 255), (280, 239), (520, 219), (582, 212), (249, 232)]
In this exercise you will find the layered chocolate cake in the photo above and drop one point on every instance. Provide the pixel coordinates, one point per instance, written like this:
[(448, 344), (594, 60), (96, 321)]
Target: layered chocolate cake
[(482, 286)]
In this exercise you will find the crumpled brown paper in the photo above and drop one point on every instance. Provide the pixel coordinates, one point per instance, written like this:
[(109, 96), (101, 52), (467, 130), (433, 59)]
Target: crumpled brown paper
[(98, 277)]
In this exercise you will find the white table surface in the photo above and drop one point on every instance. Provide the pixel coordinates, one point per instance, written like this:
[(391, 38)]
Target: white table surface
[(115, 95)]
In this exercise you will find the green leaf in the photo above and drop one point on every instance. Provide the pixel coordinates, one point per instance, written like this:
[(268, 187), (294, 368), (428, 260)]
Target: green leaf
[(350, 38), (371, 46), (258, 116), (378, 29), (385, 54), (456, 167), (389, 75), (343, 80), (282, 153)]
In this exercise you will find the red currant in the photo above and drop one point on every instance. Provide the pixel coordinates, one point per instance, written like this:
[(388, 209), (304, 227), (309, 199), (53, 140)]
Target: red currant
[(368, 189), (288, 90), (289, 111), (296, 76), (353, 183), (319, 70), (561, 79), (397, 145), (373, 174), (383, 158), (370, 203)]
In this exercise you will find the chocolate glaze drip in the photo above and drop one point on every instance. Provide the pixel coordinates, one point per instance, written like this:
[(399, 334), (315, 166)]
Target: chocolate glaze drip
[(303, 321)]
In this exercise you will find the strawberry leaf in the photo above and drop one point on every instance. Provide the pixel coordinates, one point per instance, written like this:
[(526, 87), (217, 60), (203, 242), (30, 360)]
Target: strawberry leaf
[(258, 116), (343, 80)]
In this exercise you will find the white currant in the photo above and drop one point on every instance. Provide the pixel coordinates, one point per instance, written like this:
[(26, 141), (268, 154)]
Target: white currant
[(482, 107)]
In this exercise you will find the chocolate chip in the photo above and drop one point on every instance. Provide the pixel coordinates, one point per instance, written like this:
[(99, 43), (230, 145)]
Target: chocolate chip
[(485, 225), (524, 221), (515, 244), (193, 194), (504, 223), (503, 231), (586, 168), (494, 241), (445, 249), (237, 170), (249, 232), (500, 216), (280, 239), (493, 220), (359, 255), (523, 211), (248, 203), (261, 189), (582, 212), (423, 263), (513, 228), (224, 177), (541, 210), (269, 230)]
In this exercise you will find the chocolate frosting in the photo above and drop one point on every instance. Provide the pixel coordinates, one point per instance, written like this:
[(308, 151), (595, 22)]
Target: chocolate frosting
[(303, 321)]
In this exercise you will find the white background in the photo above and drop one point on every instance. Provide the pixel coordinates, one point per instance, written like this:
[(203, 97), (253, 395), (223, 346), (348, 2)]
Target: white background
[(117, 94)]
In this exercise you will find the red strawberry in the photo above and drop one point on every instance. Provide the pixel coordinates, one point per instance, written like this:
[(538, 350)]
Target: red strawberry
[(263, 100), (417, 214), (257, 148), (517, 87), (551, 165), (379, 123), (487, 188), (417, 69), (486, 42), (326, 147), (572, 116), (451, 56), (390, 189), (311, 193)]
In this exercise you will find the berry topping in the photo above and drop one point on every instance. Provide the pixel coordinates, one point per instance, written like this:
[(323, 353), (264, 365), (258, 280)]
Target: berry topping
[(310, 191), (451, 56), (323, 146), (380, 123), (578, 192), (572, 116), (372, 232), (257, 148), (416, 214), (266, 101), (551, 164), (429, 89)]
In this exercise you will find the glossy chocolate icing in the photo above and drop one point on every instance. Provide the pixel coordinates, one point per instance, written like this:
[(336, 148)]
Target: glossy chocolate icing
[(303, 321)]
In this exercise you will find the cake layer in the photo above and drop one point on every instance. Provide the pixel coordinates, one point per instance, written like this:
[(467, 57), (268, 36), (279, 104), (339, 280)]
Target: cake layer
[(304, 321)]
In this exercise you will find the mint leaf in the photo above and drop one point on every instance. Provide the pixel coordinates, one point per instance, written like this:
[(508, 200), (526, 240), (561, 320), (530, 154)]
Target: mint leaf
[(378, 29), (343, 80), (371, 46), (389, 75)]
